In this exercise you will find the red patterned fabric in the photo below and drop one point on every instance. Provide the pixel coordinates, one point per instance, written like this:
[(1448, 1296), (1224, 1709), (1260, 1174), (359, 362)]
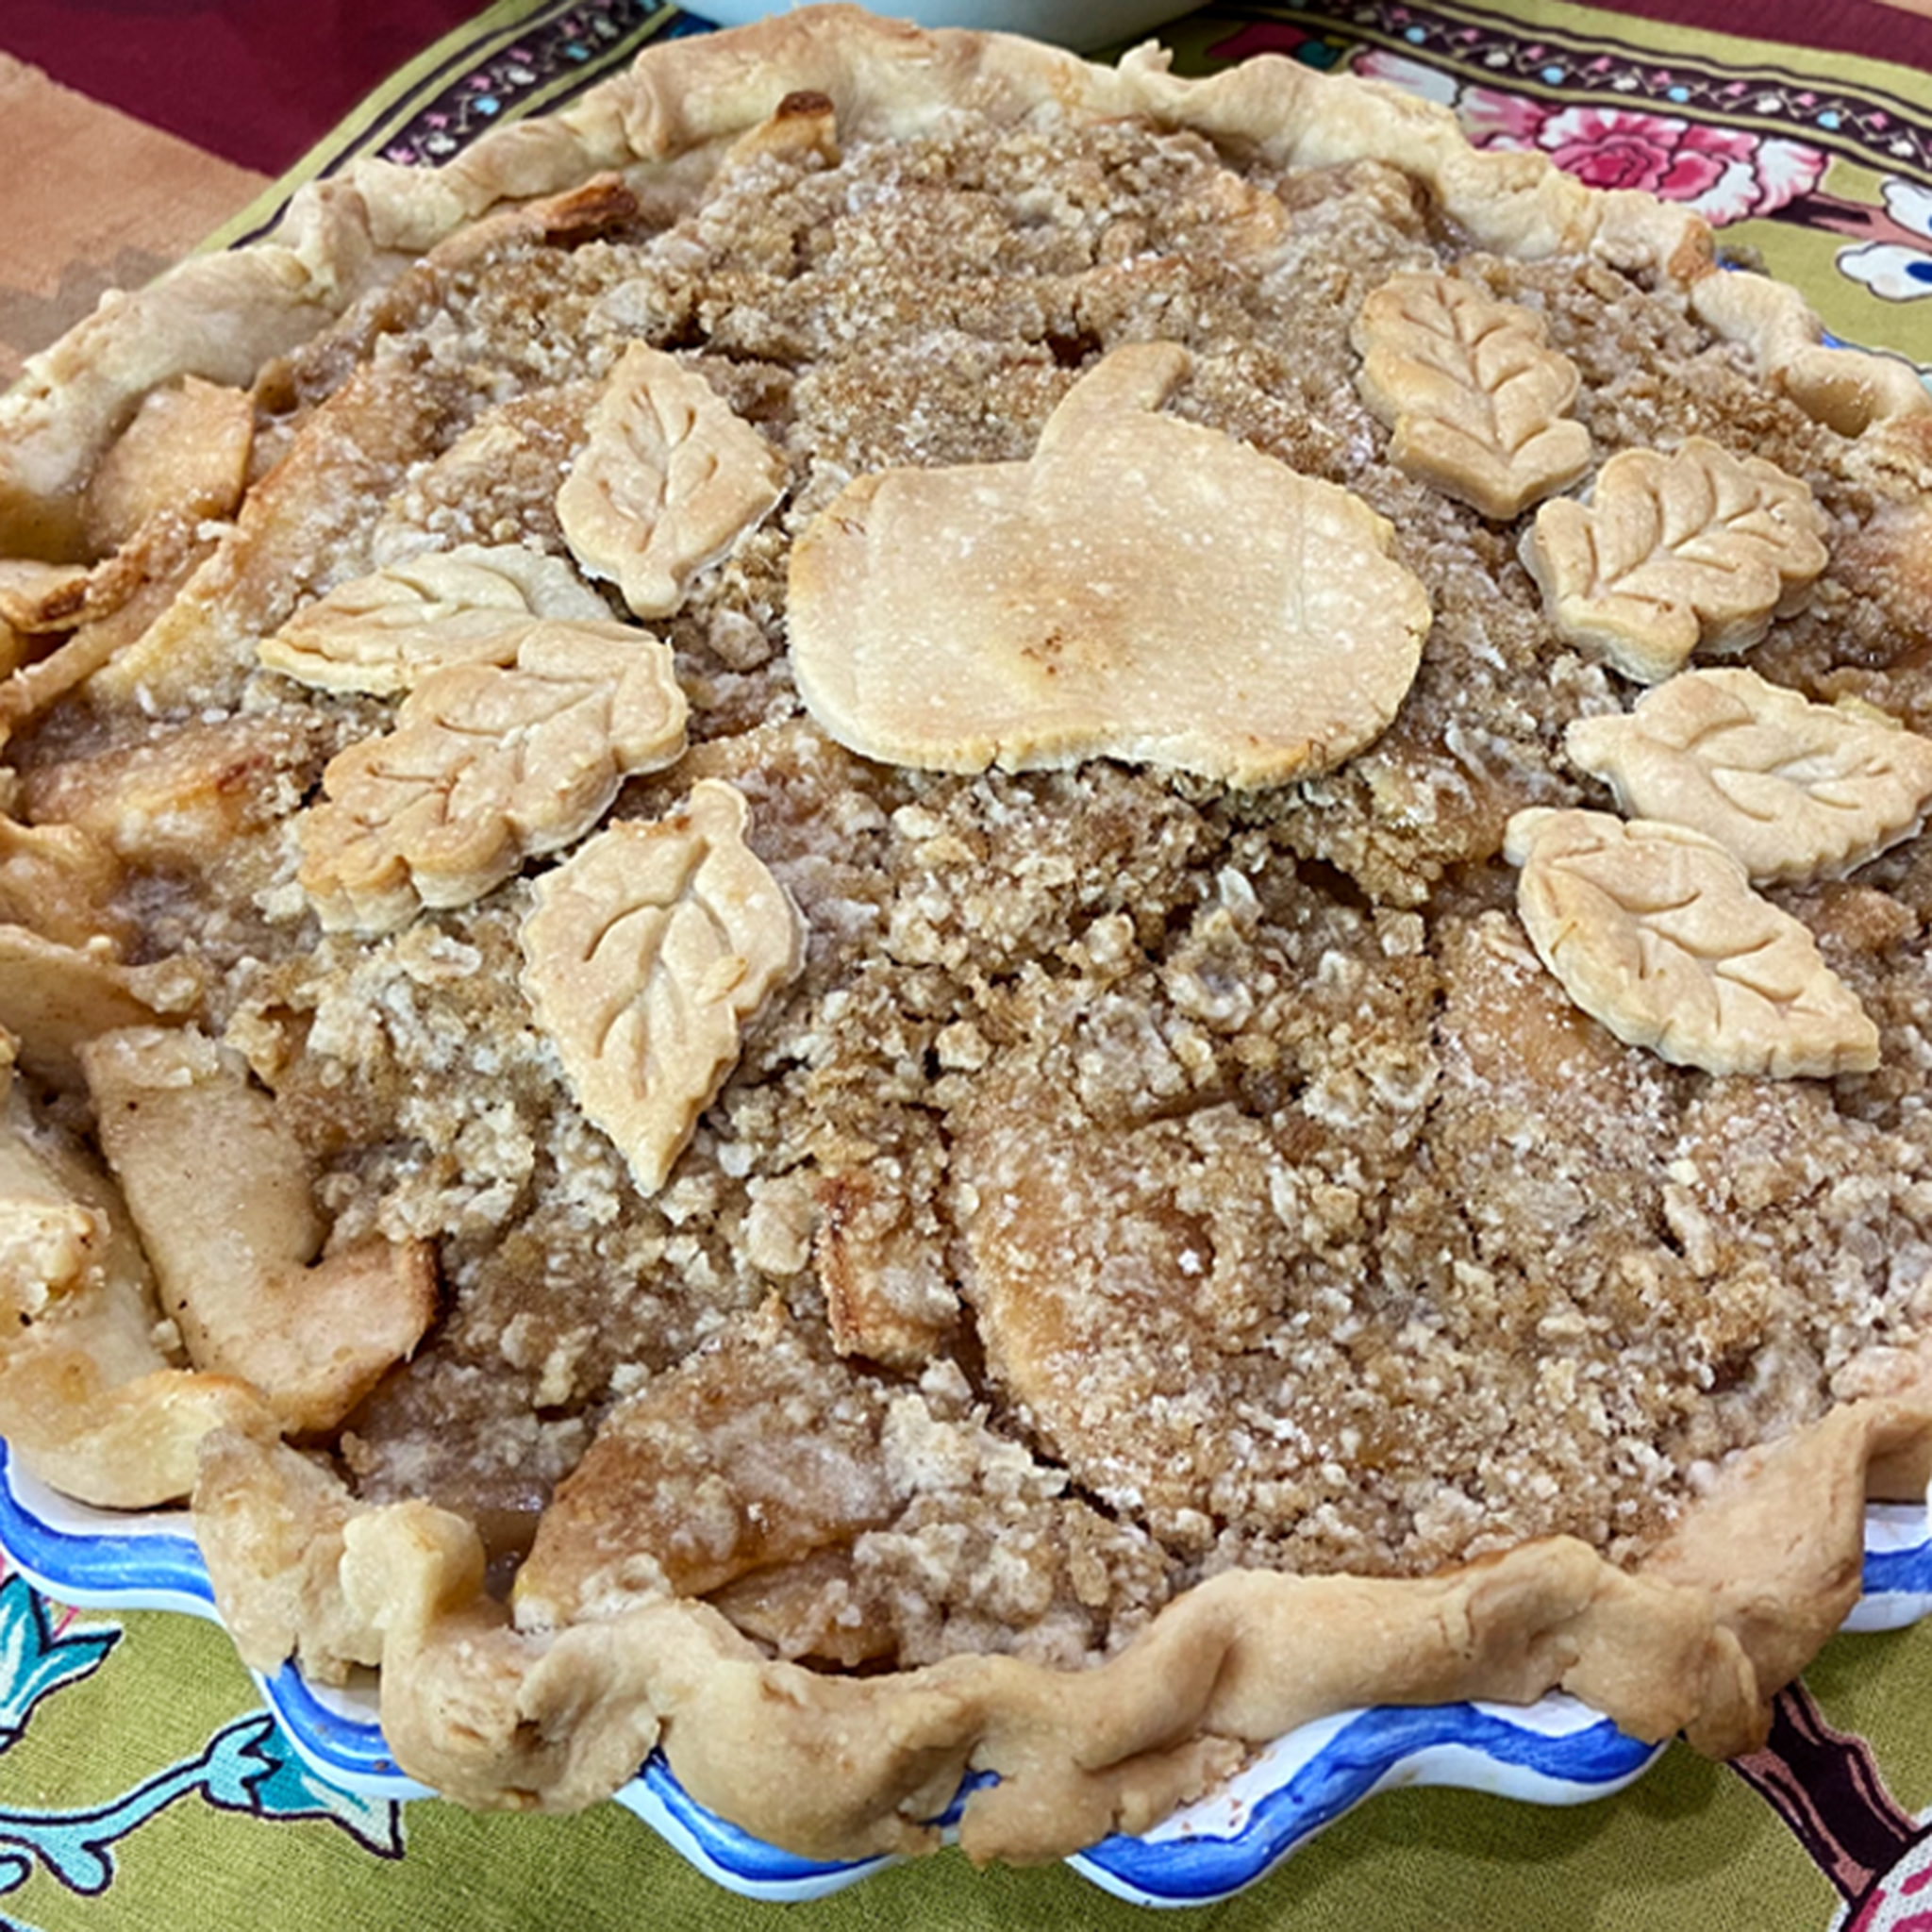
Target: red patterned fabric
[(1836, 26), (258, 82)]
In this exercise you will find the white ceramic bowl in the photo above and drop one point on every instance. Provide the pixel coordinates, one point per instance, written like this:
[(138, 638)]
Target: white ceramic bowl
[(1077, 23)]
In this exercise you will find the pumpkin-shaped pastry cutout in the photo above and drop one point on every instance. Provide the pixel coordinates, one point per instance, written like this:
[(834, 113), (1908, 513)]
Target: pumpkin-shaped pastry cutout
[(1141, 587)]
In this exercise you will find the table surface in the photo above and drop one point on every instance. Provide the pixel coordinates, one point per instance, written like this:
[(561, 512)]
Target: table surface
[(140, 138)]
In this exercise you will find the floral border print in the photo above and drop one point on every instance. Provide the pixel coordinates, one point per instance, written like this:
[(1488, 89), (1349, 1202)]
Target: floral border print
[(1732, 142)]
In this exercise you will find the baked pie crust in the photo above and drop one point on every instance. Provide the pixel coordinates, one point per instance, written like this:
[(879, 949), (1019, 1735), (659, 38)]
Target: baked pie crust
[(1256, 1102)]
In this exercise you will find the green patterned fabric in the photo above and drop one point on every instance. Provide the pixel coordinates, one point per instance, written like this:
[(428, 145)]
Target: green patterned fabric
[(146, 1789), (141, 1784)]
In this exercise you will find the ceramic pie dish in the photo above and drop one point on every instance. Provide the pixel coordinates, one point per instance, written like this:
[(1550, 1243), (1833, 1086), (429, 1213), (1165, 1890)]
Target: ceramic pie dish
[(1555, 1751), (952, 935)]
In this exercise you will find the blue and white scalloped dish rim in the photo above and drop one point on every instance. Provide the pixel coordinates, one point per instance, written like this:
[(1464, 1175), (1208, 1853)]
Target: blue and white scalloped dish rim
[(1556, 1752)]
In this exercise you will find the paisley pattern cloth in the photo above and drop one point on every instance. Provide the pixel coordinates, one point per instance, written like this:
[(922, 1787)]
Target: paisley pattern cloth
[(141, 1783)]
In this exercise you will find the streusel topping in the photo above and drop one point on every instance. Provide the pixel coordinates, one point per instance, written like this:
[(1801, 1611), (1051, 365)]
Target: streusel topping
[(1140, 1176)]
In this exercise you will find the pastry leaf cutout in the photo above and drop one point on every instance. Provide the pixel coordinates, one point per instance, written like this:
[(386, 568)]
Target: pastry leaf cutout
[(489, 764), (1672, 551), (1655, 931), (668, 481), (1796, 791), (1478, 401), (646, 955), (472, 604)]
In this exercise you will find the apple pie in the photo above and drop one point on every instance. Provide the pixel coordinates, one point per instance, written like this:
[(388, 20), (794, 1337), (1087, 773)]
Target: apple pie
[(901, 909)]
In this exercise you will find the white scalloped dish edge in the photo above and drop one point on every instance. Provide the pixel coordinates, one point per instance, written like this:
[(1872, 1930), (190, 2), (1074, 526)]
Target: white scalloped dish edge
[(1556, 1752)]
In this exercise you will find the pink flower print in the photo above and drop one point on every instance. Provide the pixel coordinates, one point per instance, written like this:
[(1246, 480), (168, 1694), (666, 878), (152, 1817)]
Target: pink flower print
[(1411, 77), (1726, 174), (1492, 117), (1617, 148)]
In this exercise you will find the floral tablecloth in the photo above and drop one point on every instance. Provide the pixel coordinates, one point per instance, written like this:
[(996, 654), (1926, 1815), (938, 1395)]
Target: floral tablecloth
[(141, 1784)]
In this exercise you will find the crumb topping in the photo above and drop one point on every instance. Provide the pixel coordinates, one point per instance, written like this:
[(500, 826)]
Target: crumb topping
[(1140, 1177)]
